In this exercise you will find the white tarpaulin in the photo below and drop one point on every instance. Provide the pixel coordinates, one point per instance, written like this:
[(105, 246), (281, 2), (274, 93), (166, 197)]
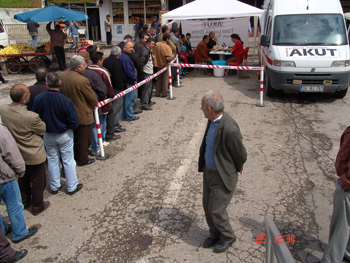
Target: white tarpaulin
[(200, 9), (205, 9), (223, 30)]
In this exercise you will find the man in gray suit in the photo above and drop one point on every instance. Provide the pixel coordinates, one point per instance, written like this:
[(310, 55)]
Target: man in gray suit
[(221, 157)]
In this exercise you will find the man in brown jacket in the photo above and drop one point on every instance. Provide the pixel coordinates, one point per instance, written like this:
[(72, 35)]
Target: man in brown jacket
[(202, 54), (78, 89), (57, 38), (27, 129), (338, 249), (162, 56)]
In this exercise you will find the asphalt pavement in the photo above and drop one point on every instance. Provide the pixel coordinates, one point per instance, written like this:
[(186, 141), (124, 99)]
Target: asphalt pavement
[(143, 204)]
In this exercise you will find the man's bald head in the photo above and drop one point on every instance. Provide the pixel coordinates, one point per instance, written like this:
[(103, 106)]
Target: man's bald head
[(40, 74), (19, 93), (214, 100)]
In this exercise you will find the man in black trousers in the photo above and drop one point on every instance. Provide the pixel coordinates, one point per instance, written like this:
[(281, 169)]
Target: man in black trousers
[(119, 84), (57, 38)]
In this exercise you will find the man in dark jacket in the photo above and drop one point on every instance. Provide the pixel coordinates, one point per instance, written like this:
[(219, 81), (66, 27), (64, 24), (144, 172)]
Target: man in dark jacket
[(57, 38), (100, 90), (146, 62), (138, 27), (221, 157), (134, 59), (33, 31), (189, 50), (38, 87), (130, 76), (97, 60), (114, 67), (61, 119)]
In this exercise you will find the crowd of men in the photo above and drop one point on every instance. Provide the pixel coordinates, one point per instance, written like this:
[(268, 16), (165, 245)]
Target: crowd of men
[(50, 127)]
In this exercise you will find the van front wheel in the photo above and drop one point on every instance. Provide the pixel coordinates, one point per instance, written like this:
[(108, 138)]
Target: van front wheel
[(270, 91)]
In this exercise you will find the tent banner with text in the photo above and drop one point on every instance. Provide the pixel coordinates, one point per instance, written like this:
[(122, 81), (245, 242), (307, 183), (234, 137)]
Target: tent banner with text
[(223, 29)]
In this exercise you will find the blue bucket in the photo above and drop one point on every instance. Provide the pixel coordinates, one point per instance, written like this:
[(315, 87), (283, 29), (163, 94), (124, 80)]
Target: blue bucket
[(219, 62), (218, 72)]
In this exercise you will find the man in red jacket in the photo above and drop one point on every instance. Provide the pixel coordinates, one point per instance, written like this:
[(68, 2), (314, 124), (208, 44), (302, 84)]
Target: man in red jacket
[(339, 245)]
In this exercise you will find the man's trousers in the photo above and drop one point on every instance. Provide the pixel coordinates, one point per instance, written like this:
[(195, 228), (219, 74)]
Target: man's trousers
[(162, 83), (216, 198), (82, 142)]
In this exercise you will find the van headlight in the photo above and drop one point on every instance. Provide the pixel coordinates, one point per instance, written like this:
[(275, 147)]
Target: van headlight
[(340, 63), (281, 63)]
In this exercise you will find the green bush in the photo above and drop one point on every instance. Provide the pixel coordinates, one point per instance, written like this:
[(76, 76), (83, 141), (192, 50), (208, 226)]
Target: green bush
[(20, 3)]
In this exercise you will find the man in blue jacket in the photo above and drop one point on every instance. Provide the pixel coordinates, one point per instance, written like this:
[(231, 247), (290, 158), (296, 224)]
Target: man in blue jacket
[(61, 118), (130, 76)]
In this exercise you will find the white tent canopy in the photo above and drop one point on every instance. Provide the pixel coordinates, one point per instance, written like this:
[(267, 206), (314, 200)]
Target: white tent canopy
[(201, 9), (347, 16)]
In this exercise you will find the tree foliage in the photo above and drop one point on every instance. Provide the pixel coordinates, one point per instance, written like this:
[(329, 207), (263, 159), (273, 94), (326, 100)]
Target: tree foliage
[(20, 3)]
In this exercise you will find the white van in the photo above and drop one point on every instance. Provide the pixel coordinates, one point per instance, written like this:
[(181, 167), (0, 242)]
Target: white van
[(304, 47), (4, 40)]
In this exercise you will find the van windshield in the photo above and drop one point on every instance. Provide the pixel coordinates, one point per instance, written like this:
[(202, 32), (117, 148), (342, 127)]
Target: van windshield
[(305, 29)]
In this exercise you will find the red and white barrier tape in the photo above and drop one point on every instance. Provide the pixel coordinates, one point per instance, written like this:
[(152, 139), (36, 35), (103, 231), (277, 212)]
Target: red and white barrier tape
[(186, 65), (117, 96)]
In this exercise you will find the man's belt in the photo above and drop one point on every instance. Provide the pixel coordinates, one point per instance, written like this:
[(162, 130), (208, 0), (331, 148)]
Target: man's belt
[(212, 170)]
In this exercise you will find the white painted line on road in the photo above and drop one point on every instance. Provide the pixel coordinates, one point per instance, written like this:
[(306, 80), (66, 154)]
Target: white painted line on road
[(181, 172)]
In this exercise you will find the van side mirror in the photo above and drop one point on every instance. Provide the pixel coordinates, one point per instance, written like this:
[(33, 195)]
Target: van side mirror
[(263, 41)]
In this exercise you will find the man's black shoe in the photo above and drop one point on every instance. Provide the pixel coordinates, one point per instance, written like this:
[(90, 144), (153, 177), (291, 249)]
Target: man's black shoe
[(152, 103), (79, 187), (54, 192), (119, 130), (138, 112), (31, 232), (90, 161), (146, 108), (46, 205), (209, 242), (222, 247), (5, 81), (115, 137), (9, 230), (17, 257), (135, 118)]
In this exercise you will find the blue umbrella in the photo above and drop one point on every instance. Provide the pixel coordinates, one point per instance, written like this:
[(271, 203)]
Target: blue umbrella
[(51, 13)]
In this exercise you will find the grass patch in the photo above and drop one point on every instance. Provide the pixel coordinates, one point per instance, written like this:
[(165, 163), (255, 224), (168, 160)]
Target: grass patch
[(20, 3)]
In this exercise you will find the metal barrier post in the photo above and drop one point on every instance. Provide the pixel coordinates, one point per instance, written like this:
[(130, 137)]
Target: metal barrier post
[(102, 155), (178, 85), (170, 85), (275, 248), (261, 102), (270, 258)]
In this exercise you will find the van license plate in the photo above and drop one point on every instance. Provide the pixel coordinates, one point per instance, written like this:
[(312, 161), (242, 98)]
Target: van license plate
[(311, 88)]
